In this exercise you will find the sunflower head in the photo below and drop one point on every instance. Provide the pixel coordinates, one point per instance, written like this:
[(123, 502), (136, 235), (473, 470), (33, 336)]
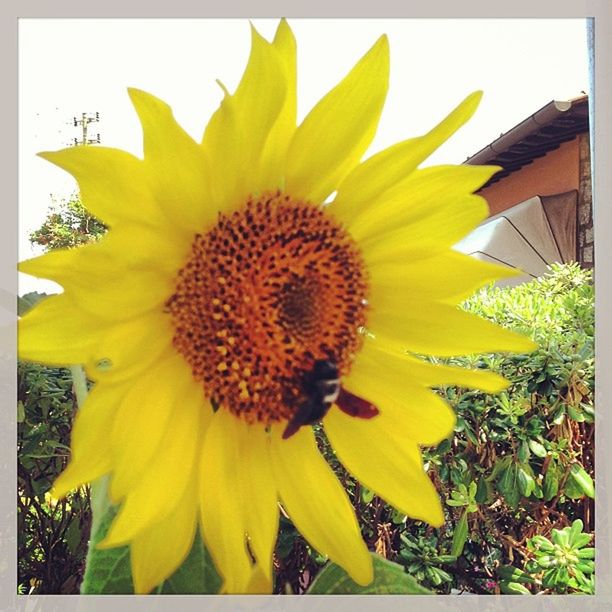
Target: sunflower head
[(235, 301), (270, 290)]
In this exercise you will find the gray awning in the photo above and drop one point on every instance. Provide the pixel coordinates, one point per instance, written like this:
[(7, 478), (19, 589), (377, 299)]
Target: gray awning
[(528, 236)]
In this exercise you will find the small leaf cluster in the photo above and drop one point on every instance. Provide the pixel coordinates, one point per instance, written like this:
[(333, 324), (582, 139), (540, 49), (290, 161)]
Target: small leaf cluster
[(562, 564), (423, 561)]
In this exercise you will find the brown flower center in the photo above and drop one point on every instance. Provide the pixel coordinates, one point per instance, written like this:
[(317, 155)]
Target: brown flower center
[(269, 290)]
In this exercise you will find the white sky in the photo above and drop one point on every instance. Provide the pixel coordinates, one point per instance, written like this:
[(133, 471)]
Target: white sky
[(70, 66)]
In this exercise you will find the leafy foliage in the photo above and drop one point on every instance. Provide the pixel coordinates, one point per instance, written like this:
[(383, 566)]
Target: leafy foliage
[(389, 578), (52, 536)]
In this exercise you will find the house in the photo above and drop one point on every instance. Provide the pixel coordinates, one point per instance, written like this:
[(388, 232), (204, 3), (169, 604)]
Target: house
[(541, 202)]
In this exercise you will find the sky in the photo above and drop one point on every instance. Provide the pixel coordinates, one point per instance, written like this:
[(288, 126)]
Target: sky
[(71, 66)]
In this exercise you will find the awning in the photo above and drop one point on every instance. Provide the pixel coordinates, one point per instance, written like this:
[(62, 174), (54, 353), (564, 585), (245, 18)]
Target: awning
[(528, 236)]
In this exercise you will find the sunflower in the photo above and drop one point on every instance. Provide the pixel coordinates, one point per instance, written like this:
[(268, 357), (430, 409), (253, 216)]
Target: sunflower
[(249, 286)]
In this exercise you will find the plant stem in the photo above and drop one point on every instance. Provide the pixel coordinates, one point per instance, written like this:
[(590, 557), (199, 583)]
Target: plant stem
[(80, 384)]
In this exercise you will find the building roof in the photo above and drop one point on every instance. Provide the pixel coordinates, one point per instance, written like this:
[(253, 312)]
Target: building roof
[(555, 123)]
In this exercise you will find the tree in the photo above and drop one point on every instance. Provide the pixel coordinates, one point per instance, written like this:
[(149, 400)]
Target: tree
[(68, 224)]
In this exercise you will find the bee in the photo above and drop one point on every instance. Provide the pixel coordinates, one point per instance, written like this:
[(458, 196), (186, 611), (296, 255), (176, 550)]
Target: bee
[(321, 388)]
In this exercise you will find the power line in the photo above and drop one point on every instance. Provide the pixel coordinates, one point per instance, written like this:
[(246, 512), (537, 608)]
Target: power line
[(84, 121)]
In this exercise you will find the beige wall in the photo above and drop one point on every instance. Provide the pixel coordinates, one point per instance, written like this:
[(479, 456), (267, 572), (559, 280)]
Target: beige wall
[(556, 172)]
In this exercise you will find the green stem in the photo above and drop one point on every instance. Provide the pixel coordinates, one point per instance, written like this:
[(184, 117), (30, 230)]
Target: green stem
[(99, 488), (80, 384)]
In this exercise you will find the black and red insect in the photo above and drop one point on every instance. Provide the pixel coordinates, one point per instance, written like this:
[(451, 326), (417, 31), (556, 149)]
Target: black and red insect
[(321, 388)]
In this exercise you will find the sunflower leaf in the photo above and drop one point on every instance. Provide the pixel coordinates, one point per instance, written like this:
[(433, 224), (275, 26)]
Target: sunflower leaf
[(389, 578), (107, 570), (197, 575)]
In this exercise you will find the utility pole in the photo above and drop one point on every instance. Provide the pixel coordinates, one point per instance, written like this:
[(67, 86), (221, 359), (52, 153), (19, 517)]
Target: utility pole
[(84, 121)]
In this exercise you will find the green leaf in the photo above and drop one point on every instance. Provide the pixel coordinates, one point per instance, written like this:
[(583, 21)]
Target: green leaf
[(582, 539), (537, 449), (196, 575), (508, 486), (526, 483), (499, 467), (389, 578), (20, 412), (513, 588), (460, 535), (572, 490), (541, 543), (579, 475), (560, 537), (398, 517), (586, 553), (523, 452), (575, 531), (367, 495), (73, 536), (551, 481), (107, 571), (513, 574), (588, 567), (482, 491)]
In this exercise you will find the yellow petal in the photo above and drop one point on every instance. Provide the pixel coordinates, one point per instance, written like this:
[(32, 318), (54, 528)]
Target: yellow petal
[(439, 329), (128, 348), (427, 418), (144, 247), (90, 439), (259, 582), (381, 455), (113, 184), (260, 491), (377, 361), (175, 164), (149, 407), (337, 131), (56, 332), (160, 550), (424, 197), (237, 132), (382, 171), (274, 154), (166, 475), (222, 503), (317, 504), (424, 237), (448, 276), (100, 281)]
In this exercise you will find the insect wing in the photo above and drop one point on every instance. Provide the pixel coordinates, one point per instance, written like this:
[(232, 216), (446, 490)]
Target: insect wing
[(355, 406), (303, 416)]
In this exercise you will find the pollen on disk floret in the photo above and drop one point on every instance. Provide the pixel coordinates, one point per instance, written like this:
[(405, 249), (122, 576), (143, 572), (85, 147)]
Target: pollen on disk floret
[(270, 289)]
